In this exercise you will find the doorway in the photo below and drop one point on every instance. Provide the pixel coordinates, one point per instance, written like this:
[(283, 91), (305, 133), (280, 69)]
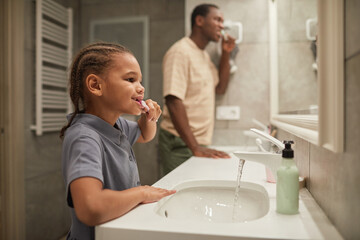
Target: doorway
[(12, 219)]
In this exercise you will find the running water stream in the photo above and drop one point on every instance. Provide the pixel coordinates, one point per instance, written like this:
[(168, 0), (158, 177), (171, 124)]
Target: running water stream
[(235, 216)]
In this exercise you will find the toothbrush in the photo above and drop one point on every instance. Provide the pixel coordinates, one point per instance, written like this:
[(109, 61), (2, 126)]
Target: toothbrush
[(143, 103), (224, 34)]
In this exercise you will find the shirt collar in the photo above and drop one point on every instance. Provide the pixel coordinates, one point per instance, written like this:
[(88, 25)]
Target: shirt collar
[(193, 44), (99, 125)]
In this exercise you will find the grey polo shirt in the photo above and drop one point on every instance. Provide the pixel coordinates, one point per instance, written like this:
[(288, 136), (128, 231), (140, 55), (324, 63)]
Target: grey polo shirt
[(94, 148)]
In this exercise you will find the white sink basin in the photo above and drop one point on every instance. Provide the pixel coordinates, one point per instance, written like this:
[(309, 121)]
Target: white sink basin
[(213, 201)]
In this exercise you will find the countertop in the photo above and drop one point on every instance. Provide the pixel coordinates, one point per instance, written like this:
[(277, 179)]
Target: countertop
[(143, 223)]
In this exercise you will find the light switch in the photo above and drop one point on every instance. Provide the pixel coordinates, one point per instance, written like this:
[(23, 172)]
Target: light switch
[(227, 112)]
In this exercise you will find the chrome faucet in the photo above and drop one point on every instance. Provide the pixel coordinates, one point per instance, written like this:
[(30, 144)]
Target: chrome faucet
[(269, 138), (269, 159)]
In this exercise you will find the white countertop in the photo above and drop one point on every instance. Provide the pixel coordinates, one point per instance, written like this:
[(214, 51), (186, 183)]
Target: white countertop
[(143, 223)]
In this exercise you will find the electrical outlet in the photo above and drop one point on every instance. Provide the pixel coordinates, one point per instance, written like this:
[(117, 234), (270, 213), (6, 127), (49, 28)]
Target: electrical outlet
[(227, 112)]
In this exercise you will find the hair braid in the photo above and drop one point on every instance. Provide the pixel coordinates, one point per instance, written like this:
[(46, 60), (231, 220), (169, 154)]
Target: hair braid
[(95, 58)]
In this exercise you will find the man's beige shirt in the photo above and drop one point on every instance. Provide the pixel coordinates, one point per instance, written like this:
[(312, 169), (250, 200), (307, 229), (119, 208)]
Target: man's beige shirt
[(190, 75)]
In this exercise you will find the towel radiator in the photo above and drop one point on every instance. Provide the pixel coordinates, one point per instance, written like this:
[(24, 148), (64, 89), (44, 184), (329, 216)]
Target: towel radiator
[(53, 55)]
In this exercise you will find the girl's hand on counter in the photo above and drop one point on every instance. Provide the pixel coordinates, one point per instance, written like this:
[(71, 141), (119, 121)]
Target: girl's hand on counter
[(154, 194)]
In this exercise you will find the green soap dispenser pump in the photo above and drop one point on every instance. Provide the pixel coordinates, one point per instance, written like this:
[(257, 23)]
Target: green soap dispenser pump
[(287, 185)]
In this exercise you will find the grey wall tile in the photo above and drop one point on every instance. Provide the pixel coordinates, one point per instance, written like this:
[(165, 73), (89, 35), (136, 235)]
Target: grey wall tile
[(108, 8), (297, 78), (221, 124), (146, 157), (231, 137), (30, 86), (352, 88), (333, 183), (255, 26), (98, 10), (249, 87), (162, 35), (302, 157), (75, 6), (29, 15), (222, 100), (292, 16), (156, 83), (47, 216), (161, 9), (344, 193), (352, 101), (352, 29), (42, 154)]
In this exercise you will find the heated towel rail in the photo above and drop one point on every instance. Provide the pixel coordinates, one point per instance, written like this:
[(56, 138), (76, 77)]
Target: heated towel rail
[(53, 55)]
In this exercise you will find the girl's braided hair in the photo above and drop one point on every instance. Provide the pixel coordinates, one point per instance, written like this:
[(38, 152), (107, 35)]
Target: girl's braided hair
[(95, 58)]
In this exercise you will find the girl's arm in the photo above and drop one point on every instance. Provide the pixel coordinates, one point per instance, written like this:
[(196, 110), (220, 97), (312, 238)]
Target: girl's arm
[(147, 121), (94, 205)]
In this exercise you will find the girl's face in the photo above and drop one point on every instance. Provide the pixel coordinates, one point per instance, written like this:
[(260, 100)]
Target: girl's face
[(122, 89)]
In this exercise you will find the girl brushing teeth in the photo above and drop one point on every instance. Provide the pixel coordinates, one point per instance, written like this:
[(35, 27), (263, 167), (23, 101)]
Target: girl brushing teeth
[(99, 165)]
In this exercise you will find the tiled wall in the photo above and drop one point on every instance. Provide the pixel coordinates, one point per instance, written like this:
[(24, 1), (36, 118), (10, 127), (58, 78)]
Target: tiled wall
[(297, 78), (333, 179), (249, 85)]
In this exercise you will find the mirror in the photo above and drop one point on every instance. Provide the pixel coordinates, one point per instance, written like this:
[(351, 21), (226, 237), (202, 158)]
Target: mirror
[(297, 66), (132, 32), (311, 106)]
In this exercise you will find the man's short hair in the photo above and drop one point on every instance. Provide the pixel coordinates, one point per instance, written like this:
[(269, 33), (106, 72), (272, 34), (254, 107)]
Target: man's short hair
[(202, 10)]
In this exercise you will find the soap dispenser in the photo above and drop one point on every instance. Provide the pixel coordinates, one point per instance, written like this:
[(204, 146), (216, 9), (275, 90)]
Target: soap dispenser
[(287, 186)]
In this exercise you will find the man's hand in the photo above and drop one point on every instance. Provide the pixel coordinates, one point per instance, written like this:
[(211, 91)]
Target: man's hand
[(208, 152), (229, 44)]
